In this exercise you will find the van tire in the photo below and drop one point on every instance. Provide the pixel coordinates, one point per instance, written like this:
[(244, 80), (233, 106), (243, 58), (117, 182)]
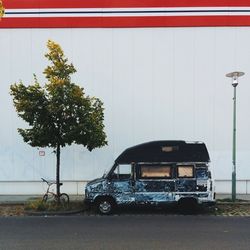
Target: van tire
[(105, 205), (187, 205)]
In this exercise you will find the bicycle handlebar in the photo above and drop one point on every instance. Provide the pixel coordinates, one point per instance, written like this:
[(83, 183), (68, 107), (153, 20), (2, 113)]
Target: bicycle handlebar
[(45, 181), (51, 183)]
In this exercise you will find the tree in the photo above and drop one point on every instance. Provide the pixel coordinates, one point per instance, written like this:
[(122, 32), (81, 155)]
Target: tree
[(58, 113), (1, 9)]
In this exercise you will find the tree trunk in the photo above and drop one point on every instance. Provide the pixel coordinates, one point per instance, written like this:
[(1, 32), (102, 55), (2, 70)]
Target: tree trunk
[(58, 152)]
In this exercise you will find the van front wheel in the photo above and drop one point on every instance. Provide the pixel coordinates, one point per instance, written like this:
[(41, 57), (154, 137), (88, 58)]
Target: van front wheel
[(105, 206)]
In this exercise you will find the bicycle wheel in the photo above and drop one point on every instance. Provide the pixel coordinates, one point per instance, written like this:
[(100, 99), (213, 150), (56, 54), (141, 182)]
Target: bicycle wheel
[(64, 198), (49, 198), (45, 198)]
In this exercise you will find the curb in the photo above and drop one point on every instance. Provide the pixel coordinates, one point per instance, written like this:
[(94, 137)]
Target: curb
[(53, 213), (12, 203)]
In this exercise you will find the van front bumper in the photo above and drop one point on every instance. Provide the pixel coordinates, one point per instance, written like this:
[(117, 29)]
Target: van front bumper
[(87, 203)]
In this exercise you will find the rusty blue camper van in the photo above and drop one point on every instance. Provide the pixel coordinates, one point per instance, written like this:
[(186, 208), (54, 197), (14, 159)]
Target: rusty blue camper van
[(155, 173)]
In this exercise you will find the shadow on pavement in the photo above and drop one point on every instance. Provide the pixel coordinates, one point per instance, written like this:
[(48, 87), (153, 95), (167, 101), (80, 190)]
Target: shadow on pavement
[(149, 210)]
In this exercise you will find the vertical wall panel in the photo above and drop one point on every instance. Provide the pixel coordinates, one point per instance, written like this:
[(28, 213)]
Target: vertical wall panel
[(143, 89), (124, 96), (163, 84), (184, 76)]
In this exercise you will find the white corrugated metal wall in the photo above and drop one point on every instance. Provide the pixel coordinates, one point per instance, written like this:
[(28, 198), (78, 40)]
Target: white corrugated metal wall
[(156, 83)]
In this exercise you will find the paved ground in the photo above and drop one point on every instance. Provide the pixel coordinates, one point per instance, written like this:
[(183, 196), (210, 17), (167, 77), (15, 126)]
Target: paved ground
[(125, 232), (220, 209)]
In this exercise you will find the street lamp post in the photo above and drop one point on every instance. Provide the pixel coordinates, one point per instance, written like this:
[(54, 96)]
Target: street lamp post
[(234, 75)]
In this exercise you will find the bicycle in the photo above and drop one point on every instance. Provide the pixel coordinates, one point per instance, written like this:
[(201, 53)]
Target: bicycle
[(50, 196)]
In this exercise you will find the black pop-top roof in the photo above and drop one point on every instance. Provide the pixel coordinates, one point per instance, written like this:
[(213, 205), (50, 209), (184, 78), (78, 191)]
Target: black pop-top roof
[(165, 151)]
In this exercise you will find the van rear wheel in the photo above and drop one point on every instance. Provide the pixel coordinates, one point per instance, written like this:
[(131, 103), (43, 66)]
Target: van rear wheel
[(105, 206)]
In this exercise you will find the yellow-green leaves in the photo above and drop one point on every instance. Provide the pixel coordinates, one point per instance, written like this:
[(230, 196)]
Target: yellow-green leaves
[(1, 9), (60, 70)]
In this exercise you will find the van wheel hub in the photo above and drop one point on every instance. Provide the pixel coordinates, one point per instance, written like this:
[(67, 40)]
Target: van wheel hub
[(105, 207)]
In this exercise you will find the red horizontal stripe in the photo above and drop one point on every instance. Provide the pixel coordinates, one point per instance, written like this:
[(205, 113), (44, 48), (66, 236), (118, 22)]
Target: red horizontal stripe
[(120, 22), (25, 4)]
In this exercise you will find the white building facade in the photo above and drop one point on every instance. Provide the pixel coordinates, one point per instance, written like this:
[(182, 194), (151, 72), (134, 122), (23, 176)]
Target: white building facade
[(158, 67)]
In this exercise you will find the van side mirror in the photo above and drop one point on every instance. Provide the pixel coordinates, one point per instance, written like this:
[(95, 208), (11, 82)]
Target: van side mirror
[(104, 174)]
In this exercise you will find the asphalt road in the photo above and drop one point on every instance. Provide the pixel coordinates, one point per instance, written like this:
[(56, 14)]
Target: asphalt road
[(125, 232)]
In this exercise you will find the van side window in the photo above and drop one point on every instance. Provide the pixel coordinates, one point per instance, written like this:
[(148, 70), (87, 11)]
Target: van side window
[(201, 173), (122, 172), (155, 171), (185, 171)]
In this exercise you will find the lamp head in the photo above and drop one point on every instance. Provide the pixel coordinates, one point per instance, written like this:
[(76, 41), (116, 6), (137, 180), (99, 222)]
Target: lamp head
[(235, 81), (235, 75)]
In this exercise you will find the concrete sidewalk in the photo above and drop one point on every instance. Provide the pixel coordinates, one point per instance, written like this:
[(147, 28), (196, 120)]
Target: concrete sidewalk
[(229, 196), (20, 199)]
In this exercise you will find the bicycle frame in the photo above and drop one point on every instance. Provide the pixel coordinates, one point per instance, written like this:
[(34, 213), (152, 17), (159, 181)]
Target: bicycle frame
[(51, 195)]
